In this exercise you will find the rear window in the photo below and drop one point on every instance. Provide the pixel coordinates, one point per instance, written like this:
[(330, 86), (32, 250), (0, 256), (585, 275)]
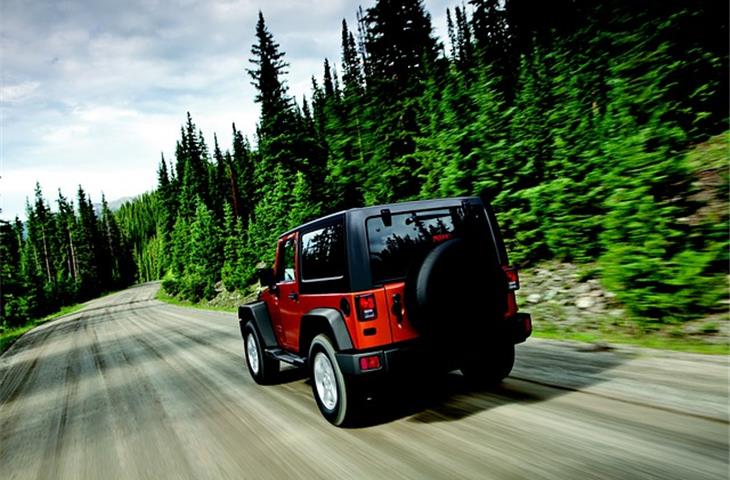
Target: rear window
[(394, 249), (323, 253)]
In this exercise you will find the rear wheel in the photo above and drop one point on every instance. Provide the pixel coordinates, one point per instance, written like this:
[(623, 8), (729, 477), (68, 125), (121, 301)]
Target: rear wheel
[(262, 368), (335, 396), (488, 369)]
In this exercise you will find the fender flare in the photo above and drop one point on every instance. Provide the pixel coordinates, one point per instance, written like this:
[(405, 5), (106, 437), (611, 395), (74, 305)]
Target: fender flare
[(341, 335), (257, 314)]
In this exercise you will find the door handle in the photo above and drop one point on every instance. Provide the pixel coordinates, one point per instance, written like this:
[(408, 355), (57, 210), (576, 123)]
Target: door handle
[(294, 296), (397, 308)]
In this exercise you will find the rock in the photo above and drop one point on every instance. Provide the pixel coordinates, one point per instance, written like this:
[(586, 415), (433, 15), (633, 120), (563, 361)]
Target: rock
[(596, 293), (692, 329), (608, 294), (585, 302), (551, 294), (597, 307), (599, 346), (533, 298), (582, 288)]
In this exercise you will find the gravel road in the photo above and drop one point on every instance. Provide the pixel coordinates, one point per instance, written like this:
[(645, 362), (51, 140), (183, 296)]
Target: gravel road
[(130, 387)]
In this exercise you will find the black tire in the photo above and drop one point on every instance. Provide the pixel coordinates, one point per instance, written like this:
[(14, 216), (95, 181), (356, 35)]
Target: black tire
[(343, 410), (263, 370), (491, 368)]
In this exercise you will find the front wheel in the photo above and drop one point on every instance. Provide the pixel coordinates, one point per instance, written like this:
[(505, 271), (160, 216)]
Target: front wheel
[(490, 368), (334, 395), (262, 368)]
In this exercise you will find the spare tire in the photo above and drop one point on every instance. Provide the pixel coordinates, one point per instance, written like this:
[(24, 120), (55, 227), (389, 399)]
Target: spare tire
[(458, 292)]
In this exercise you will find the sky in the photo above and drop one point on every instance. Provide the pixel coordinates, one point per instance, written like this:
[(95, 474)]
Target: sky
[(93, 91)]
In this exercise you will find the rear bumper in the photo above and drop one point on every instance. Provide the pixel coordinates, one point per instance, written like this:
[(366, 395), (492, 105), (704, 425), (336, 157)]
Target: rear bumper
[(394, 359), (414, 356)]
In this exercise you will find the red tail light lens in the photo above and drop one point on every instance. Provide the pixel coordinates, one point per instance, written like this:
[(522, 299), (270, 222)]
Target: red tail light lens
[(366, 309), (370, 363), (513, 280)]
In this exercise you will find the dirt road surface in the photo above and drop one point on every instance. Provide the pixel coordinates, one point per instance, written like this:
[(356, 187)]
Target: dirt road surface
[(130, 387)]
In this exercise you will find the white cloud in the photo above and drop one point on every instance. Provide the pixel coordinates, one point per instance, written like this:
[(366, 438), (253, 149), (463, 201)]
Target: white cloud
[(18, 92), (92, 91), (65, 134)]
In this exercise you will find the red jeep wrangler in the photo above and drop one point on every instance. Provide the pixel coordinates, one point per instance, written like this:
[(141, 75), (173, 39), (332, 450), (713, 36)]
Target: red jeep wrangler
[(361, 294)]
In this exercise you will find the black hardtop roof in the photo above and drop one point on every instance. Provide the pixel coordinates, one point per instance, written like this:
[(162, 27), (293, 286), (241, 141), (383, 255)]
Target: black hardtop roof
[(397, 207)]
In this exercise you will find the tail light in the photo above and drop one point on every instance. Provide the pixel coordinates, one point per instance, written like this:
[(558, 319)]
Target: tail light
[(366, 309), (513, 280), (371, 362)]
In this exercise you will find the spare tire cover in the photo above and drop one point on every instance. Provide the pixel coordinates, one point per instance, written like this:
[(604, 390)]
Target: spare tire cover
[(456, 291)]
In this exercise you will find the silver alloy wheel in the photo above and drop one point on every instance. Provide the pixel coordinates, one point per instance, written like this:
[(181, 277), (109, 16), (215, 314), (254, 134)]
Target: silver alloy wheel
[(252, 353), (324, 379)]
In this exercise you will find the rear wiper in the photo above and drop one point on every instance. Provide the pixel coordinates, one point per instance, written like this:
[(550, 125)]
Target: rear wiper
[(420, 218)]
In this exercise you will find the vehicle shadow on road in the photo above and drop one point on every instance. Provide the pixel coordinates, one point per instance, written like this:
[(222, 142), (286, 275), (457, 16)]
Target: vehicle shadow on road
[(539, 375)]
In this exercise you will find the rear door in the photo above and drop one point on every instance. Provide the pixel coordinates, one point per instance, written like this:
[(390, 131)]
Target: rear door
[(397, 248)]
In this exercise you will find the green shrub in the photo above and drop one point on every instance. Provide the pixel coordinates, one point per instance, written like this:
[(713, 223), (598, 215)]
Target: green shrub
[(171, 285)]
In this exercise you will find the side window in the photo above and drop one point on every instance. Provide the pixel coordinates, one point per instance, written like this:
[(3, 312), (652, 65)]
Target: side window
[(323, 253), (285, 265)]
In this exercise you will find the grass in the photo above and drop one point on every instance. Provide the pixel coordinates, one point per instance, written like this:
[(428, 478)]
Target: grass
[(550, 331), (165, 297), (655, 340), (8, 337)]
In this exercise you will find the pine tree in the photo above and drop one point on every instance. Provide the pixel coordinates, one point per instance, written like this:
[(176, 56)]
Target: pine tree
[(241, 172), (266, 76), (35, 302), (119, 259), (66, 261), (352, 74), (233, 271), (464, 54), (279, 128), (166, 194), (180, 247), (13, 304), (87, 235), (41, 234), (302, 209), (271, 217), (219, 181), (399, 42), (401, 49), (494, 43), (205, 260), (649, 259), (192, 169)]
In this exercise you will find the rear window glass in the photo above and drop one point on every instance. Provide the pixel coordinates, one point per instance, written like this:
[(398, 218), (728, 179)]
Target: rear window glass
[(396, 248), (323, 253)]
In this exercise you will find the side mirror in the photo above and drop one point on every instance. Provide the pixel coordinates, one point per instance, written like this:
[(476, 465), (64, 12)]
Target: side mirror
[(266, 277)]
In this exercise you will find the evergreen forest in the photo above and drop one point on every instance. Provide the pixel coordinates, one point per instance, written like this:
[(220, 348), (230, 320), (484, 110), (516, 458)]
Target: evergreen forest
[(599, 130)]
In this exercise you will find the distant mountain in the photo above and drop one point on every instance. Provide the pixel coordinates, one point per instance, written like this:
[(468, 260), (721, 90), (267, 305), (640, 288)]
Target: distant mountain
[(114, 205)]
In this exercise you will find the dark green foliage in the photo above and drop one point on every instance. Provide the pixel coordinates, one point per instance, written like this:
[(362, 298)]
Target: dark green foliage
[(144, 223), (234, 269), (60, 257), (401, 51), (204, 261), (574, 118), (13, 285), (241, 177)]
